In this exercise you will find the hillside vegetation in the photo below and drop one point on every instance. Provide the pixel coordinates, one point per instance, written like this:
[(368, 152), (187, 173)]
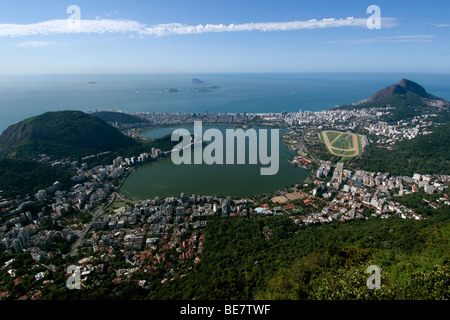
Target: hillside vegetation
[(323, 262), (21, 177), (62, 134), (425, 154)]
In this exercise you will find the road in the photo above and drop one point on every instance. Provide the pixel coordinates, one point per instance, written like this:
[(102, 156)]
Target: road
[(303, 144), (96, 214)]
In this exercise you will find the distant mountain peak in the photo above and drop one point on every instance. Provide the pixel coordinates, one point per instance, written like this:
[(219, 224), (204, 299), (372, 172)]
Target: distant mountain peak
[(406, 99), (413, 87), (403, 87), (386, 93)]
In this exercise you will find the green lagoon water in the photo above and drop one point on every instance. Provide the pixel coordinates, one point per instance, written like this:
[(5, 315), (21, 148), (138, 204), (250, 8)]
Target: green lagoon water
[(162, 178)]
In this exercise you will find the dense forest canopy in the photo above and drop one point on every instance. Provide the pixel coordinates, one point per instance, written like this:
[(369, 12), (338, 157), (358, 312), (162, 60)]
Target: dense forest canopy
[(21, 177), (425, 154)]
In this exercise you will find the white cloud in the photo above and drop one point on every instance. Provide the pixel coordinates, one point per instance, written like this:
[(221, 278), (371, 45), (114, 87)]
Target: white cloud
[(63, 26), (443, 25), (394, 39), (34, 44), (176, 28), (100, 26)]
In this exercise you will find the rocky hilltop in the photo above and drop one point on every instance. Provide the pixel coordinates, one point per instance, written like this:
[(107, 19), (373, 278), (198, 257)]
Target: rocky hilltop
[(403, 87), (406, 99), (196, 81)]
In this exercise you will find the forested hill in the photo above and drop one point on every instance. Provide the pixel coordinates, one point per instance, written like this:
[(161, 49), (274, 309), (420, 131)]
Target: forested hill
[(425, 154), (21, 177), (61, 134)]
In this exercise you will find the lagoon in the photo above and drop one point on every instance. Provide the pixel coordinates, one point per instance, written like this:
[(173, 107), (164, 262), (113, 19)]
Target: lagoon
[(163, 178)]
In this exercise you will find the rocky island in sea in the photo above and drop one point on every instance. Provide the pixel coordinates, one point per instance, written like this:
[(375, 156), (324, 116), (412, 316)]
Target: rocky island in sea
[(171, 90), (196, 81)]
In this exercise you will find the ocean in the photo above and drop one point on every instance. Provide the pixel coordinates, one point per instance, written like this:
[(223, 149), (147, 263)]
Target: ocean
[(25, 96)]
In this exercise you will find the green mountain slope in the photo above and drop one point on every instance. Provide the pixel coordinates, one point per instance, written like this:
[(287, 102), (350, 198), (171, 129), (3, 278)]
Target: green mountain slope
[(27, 177), (324, 262), (423, 154), (61, 134)]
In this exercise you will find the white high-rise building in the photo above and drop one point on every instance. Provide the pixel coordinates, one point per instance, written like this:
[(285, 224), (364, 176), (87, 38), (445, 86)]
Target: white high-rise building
[(41, 195), (180, 211)]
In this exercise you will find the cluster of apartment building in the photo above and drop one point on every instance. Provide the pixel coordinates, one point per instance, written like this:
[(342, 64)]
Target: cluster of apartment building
[(166, 118), (348, 192), (21, 232), (402, 130), (149, 232), (27, 235), (355, 189), (366, 118), (330, 117)]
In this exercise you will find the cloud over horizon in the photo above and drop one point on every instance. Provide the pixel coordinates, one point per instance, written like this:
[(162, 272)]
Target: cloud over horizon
[(101, 26), (27, 44)]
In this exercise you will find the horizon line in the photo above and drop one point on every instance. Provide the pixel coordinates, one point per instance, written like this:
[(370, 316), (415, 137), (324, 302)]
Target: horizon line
[(219, 73)]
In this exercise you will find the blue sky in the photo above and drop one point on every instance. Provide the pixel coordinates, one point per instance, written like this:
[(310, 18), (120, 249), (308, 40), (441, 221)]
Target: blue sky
[(212, 36)]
